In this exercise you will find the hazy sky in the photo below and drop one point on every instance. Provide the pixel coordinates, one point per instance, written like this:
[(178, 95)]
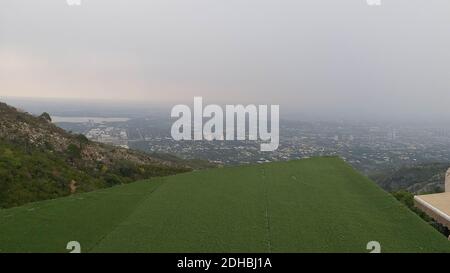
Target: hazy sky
[(311, 56)]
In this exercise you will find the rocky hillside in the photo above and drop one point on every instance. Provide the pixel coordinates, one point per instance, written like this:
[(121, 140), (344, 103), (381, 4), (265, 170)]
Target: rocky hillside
[(25, 129), (39, 160)]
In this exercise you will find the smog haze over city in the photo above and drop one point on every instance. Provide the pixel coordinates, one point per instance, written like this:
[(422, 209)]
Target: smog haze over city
[(367, 83), (316, 59)]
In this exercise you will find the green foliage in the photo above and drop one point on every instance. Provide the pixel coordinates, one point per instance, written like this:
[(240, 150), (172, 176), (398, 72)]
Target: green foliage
[(82, 140), (73, 151), (196, 164), (112, 180), (30, 174), (412, 178), (46, 117), (127, 169), (133, 171), (39, 160), (407, 199)]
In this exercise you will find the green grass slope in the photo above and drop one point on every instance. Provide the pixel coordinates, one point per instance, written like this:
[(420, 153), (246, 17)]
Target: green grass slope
[(313, 205)]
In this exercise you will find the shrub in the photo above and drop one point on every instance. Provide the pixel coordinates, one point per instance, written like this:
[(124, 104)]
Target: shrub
[(73, 151), (46, 117)]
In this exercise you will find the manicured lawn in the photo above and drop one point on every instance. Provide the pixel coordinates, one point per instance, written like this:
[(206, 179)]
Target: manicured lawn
[(313, 205)]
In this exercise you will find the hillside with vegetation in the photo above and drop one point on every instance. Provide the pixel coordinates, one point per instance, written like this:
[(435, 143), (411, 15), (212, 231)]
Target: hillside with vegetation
[(311, 205), (418, 179), (39, 160)]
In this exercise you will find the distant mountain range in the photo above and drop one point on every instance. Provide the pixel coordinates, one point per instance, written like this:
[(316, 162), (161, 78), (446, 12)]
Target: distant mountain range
[(39, 160)]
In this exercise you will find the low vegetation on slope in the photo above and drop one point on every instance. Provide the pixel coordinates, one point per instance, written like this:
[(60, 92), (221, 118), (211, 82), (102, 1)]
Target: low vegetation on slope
[(28, 175), (41, 161), (314, 205)]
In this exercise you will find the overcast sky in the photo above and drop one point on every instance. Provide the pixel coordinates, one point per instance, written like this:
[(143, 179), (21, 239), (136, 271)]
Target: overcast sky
[(328, 56)]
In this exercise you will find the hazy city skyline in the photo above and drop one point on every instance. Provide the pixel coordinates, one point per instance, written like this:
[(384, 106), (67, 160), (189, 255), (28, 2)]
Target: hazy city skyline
[(316, 56)]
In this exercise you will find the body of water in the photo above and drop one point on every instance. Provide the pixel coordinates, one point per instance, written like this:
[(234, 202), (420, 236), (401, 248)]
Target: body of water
[(58, 119)]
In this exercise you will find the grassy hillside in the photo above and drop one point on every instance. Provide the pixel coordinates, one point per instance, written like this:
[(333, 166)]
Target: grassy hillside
[(314, 205)]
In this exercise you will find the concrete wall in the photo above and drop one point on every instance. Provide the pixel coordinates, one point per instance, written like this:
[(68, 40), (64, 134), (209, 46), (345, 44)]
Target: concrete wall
[(447, 181), (432, 212)]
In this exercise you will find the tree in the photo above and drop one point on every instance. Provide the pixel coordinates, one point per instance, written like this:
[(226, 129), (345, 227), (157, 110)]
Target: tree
[(46, 117), (73, 151), (82, 140)]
